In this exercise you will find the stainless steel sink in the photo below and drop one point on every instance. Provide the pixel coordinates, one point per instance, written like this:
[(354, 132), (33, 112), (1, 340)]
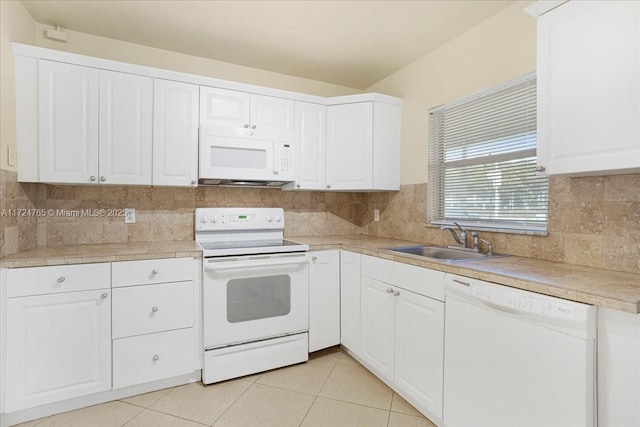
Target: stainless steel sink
[(444, 254)]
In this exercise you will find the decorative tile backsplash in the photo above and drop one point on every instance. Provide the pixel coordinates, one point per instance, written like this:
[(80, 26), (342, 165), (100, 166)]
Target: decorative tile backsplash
[(593, 221)]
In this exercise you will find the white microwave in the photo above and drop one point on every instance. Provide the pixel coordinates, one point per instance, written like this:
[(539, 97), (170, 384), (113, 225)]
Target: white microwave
[(244, 157)]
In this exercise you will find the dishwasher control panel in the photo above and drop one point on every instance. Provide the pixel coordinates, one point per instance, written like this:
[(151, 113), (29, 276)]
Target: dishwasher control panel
[(521, 300)]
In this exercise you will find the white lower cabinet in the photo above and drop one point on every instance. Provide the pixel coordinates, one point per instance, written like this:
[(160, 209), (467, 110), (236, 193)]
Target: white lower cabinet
[(324, 299), (58, 347), (350, 300), (402, 331)]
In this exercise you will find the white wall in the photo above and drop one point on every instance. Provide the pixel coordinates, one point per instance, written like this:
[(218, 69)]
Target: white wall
[(499, 49), (15, 25)]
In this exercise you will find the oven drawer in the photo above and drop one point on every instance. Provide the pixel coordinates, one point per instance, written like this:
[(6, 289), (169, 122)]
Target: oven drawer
[(130, 273), (57, 279), (153, 357), (146, 309)]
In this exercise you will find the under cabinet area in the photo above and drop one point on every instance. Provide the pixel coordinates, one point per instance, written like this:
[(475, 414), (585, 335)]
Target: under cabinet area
[(589, 88), (58, 334), (402, 329), (75, 333), (324, 299)]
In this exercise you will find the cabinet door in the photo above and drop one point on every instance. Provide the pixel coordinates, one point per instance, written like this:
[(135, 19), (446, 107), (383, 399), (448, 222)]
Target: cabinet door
[(272, 114), (221, 107), (589, 87), (350, 301), (310, 146), (419, 349), (68, 110), (377, 323), (350, 146), (125, 129), (58, 347), (175, 133), (324, 299)]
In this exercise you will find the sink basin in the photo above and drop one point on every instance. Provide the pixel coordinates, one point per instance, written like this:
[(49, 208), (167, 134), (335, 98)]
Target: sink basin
[(445, 254)]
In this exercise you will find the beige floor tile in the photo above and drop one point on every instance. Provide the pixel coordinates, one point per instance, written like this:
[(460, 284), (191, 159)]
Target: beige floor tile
[(264, 406), (334, 413), (200, 403), (398, 404), (147, 399), (403, 420), (31, 423), (251, 378), (150, 418), (333, 353), (305, 377), (345, 358), (353, 383), (112, 414)]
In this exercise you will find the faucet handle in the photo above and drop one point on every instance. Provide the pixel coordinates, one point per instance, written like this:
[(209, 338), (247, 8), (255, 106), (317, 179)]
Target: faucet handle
[(458, 225)]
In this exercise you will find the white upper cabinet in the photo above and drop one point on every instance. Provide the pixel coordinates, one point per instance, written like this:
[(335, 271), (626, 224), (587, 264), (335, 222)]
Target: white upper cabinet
[(233, 109), (125, 129), (94, 126), (363, 153), (68, 125), (589, 88), (221, 107), (310, 146), (175, 133)]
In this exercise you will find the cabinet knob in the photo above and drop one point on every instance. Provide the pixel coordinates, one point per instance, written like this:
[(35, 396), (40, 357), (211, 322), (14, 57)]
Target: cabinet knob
[(193, 182), (253, 127), (396, 293), (154, 309), (104, 295), (314, 258), (92, 178), (298, 185), (154, 272), (540, 169), (156, 357), (103, 179), (328, 185), (389, 290), (61, 279), (246, 125)]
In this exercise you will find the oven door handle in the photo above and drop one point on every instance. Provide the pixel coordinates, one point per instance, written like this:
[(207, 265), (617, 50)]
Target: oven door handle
[(236, 265)]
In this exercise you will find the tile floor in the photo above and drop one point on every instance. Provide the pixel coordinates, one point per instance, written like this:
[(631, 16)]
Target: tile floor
[(331, 389)]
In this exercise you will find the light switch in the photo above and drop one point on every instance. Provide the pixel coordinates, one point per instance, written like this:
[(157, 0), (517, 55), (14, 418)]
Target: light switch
[(376, 214), (11, 155)]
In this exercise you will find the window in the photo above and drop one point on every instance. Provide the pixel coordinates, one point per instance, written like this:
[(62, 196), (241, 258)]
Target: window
[(482, 161)]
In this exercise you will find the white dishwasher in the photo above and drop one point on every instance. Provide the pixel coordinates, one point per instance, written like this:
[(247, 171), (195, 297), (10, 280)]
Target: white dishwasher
[(516, 358)]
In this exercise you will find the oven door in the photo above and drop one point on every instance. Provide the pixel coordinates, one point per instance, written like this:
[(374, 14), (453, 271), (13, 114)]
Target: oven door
[(250, 298)]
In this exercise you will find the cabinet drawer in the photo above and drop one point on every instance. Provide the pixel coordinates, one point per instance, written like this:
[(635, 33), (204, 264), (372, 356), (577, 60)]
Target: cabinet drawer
[(147, 358), (420, 280), (57, 279), (128, 273), (146, 309)]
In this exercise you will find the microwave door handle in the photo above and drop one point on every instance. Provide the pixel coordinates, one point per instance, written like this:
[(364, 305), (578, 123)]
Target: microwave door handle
[(275, 158), (236, 265)]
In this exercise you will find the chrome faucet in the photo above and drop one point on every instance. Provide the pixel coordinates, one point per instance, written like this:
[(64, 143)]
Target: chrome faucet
[(460, 240)]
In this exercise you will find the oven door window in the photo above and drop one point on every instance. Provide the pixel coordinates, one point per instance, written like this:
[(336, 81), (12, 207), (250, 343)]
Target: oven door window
[(254, 298)]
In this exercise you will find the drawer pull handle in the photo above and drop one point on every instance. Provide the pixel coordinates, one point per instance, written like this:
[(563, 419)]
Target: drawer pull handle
[(390, 291), (104, 295), (156, 357), (154, 272), (154, 309), (460, 282), (61, 279), (314, 258)]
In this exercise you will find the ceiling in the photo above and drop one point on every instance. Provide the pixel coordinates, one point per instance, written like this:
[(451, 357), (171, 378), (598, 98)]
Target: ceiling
[(349, 43)]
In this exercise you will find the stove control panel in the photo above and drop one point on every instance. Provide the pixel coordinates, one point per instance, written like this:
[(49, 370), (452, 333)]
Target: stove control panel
[(231, 219)]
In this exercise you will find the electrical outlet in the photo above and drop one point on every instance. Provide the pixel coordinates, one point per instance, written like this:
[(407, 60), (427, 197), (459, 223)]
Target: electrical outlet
[(11, 155), (129, 216), (376, 214)]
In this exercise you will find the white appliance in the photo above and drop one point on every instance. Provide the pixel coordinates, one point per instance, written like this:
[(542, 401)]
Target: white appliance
[(255, 301), (245, 157), (516, 358)]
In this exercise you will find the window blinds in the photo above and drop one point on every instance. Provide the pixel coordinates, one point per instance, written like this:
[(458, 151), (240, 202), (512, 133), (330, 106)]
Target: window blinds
[(482, 160)]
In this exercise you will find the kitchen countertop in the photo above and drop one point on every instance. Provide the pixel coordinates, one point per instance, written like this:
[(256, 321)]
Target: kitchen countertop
[(606, 288), (105, 252)]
